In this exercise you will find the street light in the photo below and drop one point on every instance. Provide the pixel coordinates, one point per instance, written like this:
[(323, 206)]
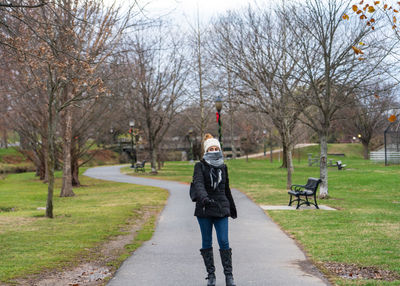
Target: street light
[(218, 106), (133, 156), (112, 135), (190, 132), (265, 142)]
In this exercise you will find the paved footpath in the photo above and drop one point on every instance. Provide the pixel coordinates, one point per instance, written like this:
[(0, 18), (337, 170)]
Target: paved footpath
[(262, 254)]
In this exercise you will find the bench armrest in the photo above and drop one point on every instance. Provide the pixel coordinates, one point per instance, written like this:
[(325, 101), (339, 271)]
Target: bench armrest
[(297, 187)]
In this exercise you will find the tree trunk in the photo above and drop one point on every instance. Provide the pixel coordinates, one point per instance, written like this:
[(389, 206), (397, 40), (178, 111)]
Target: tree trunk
[(323, 169), (232, 135), (290, 169), (5, 139), (75, 164), (365, 150), (46, 163), (75, 172), (50, 163), (66, 189), (271, 159), (284, 155), (153, 154)]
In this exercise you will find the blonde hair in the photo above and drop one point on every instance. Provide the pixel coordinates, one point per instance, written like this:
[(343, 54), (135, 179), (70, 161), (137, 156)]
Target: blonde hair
[(206, 137)]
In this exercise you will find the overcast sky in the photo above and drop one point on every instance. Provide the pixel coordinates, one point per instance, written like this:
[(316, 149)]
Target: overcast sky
[(188, 8)]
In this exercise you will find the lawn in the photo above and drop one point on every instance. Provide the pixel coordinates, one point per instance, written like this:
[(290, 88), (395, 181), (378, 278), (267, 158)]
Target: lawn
[(12, 161), (366, 229), (31, 243)]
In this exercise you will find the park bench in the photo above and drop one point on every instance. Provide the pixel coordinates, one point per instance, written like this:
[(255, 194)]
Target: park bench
[(139, 166), (305, 191), (340, 166)]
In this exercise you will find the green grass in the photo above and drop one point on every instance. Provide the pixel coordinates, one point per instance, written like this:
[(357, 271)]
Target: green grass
[(9, 151), (365, 230), (31, 243), (12, 161)]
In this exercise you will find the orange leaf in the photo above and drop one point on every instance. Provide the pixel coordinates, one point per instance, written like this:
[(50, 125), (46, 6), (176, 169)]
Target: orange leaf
[(385, 6), (377, 2), (372, 20), (368, 23), (394, 27), (396, 11), (361, 59), (345, 17), (373, 28), (362, 17), (371, 9), (357, 50), (362, 1), (376, 96), (359, 12), (394, 19), (392, 118), (355, 8)]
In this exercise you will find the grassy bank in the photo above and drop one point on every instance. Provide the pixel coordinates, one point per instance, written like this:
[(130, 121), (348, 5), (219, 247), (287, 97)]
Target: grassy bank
[(31, 243), (366, 229), (12, 161)]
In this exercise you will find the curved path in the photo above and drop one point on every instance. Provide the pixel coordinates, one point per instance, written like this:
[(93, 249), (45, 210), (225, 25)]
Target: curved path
[(262, 254)]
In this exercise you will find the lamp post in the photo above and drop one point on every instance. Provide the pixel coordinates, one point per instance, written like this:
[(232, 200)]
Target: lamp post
[(190, 132), (218, 106), (265, 142), (112, 135), (133, 157)]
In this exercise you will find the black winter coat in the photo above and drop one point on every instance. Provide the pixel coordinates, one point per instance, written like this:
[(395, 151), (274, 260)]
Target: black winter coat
[(223, 205)]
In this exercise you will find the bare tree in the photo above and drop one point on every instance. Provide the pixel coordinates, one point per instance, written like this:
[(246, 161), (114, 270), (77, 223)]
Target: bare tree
[(157, 85), (198, 78), (328, 65), (257, 44), (368, 114), (64, 46)]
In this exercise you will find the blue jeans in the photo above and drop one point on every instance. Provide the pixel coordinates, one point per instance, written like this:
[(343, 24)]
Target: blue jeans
[(221, 228)]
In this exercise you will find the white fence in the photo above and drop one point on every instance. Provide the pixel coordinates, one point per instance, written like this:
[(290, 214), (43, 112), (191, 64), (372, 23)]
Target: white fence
[(379, 156)]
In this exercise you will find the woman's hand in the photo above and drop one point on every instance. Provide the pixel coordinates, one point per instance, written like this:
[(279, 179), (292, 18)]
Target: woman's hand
[(208, 202)]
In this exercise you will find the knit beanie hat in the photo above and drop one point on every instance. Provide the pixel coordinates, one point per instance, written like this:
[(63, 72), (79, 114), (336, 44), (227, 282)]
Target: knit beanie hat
[(211, 142)]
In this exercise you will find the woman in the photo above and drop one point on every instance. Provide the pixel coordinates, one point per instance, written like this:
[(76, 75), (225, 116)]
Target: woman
[(214, 204)]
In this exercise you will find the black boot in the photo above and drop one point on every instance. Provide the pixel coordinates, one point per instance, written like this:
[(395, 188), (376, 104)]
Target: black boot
[(226, 258), (209, 263)]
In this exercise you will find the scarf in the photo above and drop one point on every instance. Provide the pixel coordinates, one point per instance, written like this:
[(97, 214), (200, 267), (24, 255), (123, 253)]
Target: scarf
[(215, 160)]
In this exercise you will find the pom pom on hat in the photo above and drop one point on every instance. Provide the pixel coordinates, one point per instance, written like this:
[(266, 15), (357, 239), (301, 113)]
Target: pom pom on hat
[(211, 142)]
